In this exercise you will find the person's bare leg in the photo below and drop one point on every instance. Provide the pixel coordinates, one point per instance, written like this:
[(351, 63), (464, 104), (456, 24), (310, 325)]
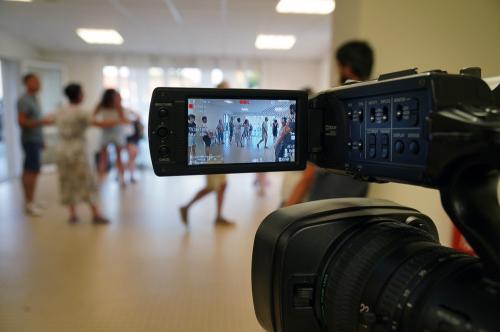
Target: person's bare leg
[(103, 162), (220, 220), (132, 155), (73, 218), (184, 209), (261, 182), (96, 215), (207, 152), (24, 180), (119, 165), (220, 200), (29, 180), (72, 210)]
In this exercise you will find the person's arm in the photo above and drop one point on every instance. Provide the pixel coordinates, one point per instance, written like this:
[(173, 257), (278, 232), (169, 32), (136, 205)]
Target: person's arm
[(108, 123), (25, 122), (135, 115), (302, 187)]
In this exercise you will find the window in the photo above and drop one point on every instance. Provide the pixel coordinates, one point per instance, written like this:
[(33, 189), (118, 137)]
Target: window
[(184, 77), (216, 76), (136, 84)]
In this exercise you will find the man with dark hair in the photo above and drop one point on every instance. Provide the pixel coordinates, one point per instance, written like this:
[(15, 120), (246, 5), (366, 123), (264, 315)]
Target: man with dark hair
[(73, 92), (31, 122), (354, 61)]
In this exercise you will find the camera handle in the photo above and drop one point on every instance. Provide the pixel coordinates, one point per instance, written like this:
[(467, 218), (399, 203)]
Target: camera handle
[(470, 199)]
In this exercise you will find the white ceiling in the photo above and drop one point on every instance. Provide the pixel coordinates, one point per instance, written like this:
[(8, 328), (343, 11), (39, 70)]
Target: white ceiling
[(220, 28)]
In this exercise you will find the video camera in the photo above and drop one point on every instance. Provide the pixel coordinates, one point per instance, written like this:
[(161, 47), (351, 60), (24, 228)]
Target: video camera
[(357, 264)]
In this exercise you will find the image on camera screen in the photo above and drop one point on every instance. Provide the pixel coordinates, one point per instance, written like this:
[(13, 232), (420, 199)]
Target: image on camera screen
[(240, 131)]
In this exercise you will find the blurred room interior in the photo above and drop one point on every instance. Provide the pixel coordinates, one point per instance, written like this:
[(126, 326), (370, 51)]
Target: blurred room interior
[(145, 271)]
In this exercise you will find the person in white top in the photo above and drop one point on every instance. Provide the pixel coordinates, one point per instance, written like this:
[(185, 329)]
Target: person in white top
[(110, 108), (264, 134), (206, 135), (237, 132)]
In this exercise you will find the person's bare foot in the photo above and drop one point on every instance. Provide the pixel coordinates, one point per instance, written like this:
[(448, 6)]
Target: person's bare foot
[(221, 221), (73, 220), (100, 220), (184, 215)]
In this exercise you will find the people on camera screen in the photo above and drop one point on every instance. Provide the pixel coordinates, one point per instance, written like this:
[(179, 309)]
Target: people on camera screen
[(237, 131)]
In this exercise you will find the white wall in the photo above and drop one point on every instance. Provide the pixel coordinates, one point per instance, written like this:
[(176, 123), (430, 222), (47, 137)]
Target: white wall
[(276, 74), (291, 74), (15, 49)]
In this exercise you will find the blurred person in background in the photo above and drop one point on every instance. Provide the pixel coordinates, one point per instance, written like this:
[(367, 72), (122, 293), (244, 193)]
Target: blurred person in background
[(237, 133), (246, 127), (275, 130), (206, 135), (75, 177), (30, 120), (191, 136), (354, 62), (220, 132), (135, 135), (231, 130), (214, 183), (110, 109), (264, 133), (284, 139)]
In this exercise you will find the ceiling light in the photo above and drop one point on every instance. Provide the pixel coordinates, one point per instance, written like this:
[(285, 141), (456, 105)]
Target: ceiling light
[(19, 0), (321, 7), (100, 36), (275, 42)]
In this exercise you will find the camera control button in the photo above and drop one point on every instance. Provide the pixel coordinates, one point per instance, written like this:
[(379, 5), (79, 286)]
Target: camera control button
[(360, 115), (399, 147), (385, 152), (163, 113), (164, 151), (162, 132), (385, 139), (414, 147), (349, 114)]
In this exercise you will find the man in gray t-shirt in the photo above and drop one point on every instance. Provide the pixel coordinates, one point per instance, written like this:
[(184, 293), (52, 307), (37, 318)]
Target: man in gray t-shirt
[(30, 120)]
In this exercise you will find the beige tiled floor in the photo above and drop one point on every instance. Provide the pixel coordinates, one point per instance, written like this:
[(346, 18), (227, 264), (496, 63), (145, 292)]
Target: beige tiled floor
[(144, 272)]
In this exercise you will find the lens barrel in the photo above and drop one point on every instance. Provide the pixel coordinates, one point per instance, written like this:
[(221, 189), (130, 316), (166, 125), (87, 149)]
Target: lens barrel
[(390, 276)]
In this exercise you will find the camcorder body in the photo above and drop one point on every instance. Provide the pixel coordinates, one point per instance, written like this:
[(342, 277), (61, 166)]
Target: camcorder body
[(357, 264)]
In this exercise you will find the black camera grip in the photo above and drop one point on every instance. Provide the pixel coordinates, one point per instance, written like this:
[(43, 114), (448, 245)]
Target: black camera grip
[(470, 199)]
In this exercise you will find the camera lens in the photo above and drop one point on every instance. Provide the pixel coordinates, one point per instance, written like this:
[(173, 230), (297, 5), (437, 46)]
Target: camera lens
[(377, 276)]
